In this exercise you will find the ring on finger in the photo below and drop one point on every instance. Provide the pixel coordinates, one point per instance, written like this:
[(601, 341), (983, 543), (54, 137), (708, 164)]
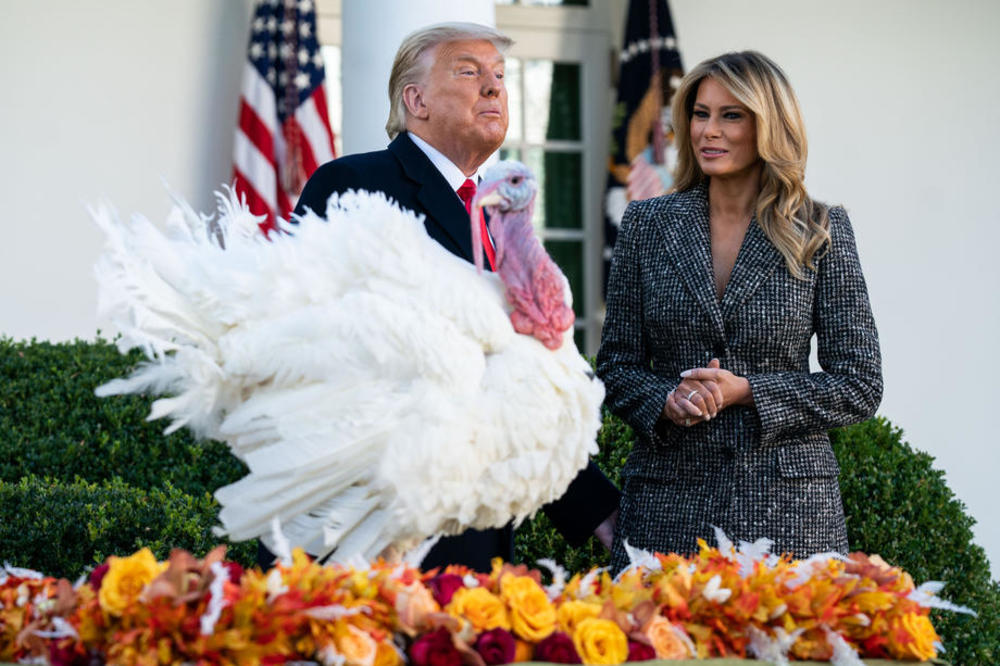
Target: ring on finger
[(691, 394), (687, 422)]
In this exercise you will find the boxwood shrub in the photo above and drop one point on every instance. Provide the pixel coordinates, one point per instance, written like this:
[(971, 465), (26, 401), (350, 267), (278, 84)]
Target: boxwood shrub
[(52, 425), (65, 528)]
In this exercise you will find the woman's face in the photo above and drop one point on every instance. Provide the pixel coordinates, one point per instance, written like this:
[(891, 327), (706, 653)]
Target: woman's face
[(723, 132)]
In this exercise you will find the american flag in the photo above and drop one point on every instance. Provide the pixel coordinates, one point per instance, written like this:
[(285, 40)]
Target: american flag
[(283, 132)]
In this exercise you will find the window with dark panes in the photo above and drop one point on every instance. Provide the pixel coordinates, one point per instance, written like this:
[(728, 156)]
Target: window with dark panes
[(545, 134)]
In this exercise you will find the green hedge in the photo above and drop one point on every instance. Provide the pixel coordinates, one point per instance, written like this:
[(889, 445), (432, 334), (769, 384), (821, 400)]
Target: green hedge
[(81, 478), (900, 507), (52, 424), (63, 528)]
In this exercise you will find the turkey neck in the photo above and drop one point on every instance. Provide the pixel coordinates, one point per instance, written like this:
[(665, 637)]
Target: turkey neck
[(535, 285)]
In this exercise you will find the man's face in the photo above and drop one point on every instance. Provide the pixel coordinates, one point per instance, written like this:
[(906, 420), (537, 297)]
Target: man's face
[(464, 99)]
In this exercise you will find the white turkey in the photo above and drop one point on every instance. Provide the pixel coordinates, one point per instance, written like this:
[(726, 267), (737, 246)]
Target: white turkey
[(373, 383)]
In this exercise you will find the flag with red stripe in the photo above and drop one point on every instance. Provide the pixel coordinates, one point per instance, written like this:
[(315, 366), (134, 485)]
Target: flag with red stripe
[(283, 132)]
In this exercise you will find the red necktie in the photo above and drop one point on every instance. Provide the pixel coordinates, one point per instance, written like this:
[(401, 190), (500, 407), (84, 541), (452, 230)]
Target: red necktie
[(466, 192)]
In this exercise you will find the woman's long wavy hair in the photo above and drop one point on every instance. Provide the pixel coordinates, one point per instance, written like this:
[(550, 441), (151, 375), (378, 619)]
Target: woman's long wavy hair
[(796, 225)]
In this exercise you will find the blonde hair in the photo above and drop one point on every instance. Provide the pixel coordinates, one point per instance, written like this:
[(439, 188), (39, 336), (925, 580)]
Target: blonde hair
[(796, 225), (411, 65)]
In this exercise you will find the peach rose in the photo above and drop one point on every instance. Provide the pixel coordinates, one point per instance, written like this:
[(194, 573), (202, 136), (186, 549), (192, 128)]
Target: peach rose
[(664, 638), (600, 642), (414, 603), (532, 615), (483, 609)]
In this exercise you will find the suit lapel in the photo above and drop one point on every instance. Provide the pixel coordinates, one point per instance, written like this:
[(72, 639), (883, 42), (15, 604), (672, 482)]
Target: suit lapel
[(756, 260), (443, 208), (685, 235)]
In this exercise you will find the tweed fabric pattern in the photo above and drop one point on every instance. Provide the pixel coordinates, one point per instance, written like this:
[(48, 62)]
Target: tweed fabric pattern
[(761, 471)]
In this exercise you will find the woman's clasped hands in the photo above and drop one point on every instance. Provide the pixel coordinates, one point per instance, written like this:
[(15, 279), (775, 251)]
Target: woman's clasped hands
[(703, 393)]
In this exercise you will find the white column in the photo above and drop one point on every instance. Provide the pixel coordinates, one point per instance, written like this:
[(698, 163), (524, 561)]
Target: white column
[(372, 31)]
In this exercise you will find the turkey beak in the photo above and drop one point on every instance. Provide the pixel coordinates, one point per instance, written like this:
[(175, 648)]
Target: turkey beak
[(489, 199)]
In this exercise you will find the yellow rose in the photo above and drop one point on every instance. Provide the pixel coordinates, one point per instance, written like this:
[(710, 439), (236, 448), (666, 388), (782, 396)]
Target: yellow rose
[(125, 580), (483, 609), (570, 614), (355, 645), (664, 638), (912, 636), (532, 615), (600, 642)]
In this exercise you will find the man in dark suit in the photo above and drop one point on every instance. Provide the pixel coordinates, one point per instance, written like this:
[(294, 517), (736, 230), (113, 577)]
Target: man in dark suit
[(448, 115)]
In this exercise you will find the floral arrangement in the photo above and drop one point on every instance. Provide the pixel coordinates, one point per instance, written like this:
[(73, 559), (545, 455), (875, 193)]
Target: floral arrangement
[(720, 602)]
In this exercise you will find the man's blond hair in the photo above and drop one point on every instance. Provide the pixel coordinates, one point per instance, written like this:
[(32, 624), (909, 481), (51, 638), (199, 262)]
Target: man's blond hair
[(411, 65)]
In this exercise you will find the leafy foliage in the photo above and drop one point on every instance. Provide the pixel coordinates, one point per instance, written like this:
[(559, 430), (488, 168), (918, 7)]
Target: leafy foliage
[(52, 424), (63, 528), (900, 507), (83, 477)]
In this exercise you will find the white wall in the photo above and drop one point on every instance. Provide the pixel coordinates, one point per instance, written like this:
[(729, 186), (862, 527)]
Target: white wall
[(103, 99), (902, 104)]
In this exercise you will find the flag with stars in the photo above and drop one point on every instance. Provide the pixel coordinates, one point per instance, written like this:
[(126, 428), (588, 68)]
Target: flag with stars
[(283, 133), (642, 156)]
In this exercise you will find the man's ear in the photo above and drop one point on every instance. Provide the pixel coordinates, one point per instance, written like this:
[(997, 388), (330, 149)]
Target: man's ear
[(413, 98)]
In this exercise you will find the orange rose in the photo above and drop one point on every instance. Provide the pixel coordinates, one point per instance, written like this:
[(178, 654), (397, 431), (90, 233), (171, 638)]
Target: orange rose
[(532, 615), (483, 609), (912, 636), (665, 639), (355, 645), (386, 654), (600, 642), (523, 650)]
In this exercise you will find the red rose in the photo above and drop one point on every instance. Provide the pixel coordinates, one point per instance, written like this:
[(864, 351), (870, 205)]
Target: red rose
[(443, 586), (97, 575), (234, 570), (640, 651), (68, 652), (557, 648), (496, 646), (435, 649)]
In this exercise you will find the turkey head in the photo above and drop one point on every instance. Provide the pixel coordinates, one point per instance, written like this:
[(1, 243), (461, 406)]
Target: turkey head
[(535, 287)]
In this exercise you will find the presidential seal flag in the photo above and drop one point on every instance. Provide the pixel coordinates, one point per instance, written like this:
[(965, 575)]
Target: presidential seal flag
[(641, 156), (283, 133)]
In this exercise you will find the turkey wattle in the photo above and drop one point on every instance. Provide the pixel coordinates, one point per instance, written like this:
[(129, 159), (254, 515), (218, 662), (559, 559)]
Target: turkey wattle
[(373, 383)]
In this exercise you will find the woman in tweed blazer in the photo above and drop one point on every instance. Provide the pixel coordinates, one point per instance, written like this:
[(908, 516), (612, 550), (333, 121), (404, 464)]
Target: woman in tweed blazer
[(714, 294)]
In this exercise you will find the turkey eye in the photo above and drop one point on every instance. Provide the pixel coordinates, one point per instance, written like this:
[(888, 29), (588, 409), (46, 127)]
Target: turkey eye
[(514, 180)]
